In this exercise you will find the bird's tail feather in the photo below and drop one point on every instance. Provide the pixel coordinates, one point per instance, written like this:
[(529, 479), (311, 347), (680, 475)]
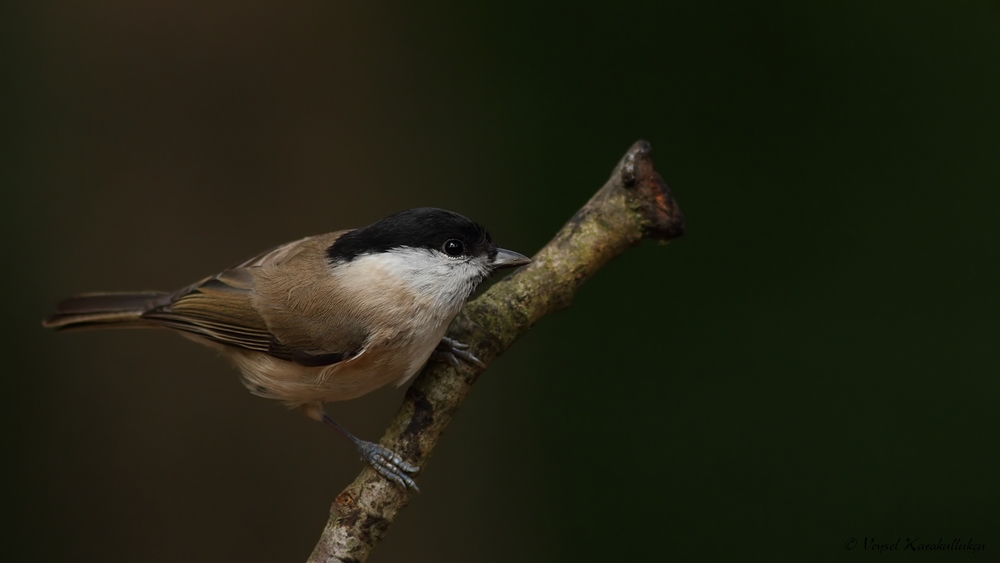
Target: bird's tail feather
[(105, 310)]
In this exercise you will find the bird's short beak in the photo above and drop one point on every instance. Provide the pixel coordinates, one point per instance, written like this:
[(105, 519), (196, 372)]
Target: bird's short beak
[(509, 259)]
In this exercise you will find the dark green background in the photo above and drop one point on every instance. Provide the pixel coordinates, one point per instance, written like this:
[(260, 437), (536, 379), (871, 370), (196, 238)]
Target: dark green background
[(815, 361)]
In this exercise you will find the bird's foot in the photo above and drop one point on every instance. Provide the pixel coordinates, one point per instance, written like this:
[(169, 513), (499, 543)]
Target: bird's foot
[(451, 351), (388, 464)]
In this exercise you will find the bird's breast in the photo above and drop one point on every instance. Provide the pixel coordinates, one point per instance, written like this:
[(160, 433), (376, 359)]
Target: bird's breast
[(394, 353), (402, 317)]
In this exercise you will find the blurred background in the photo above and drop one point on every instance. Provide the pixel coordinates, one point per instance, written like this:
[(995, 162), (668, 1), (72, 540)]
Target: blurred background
[(815, 361)]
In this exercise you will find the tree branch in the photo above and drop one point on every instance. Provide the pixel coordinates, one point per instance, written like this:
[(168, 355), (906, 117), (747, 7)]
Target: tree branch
[(635, 203)]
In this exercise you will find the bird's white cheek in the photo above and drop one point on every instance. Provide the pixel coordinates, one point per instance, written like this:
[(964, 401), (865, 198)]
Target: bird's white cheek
[(445, 280)]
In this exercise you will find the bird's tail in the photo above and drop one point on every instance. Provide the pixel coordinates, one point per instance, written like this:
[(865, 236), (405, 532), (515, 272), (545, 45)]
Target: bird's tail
[(105, 310)]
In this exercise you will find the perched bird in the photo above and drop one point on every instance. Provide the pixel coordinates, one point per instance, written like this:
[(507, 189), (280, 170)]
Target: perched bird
[(326, 318)]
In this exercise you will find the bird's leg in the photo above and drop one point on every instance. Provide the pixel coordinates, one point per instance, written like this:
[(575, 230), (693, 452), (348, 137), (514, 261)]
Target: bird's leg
[(451, 350), (383, 460)]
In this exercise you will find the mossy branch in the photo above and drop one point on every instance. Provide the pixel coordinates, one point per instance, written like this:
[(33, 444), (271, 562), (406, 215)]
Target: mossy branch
[(635, 203)]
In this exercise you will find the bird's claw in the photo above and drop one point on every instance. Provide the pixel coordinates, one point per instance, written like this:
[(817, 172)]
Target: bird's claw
[(451, 351), (389, 464)]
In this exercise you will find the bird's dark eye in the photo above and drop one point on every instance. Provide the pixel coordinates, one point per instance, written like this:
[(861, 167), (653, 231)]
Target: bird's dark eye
[(453, 247)]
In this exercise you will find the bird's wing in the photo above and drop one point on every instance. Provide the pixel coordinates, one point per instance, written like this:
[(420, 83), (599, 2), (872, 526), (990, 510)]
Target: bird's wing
[(223, 309), (218, 308)]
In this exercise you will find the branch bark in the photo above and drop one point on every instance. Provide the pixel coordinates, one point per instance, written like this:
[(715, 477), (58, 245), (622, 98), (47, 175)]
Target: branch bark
[(635, 203)]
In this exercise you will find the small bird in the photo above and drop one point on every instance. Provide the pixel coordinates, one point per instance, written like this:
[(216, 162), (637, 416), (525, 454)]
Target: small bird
[(325, 318)]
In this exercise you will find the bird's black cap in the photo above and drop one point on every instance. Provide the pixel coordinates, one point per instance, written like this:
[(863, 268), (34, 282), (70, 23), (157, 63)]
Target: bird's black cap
[(423, 227)]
